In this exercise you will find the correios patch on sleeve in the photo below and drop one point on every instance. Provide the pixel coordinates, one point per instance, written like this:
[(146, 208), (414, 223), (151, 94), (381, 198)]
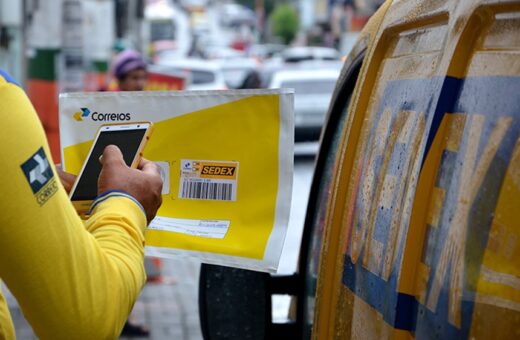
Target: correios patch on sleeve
[(39, 174)]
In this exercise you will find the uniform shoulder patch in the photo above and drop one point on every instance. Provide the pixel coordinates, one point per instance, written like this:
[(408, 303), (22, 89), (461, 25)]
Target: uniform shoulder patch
[(40, 176)]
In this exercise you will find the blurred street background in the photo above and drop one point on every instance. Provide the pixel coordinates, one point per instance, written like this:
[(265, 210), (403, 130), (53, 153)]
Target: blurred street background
[(56, 46)]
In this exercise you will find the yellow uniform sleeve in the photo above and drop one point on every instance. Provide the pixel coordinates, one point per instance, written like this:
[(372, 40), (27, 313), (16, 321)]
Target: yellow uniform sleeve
[(6, 324), (72, 280)]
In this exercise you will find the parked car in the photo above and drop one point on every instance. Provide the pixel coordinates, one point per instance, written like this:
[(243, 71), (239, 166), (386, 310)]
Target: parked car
[(301, 53), (265, 51), (236, 70), (413, 225), (312, 93), (200, 74), (222, 52)]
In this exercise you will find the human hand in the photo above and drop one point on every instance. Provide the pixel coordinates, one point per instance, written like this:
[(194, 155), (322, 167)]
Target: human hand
[(144, 183), (67, 180)]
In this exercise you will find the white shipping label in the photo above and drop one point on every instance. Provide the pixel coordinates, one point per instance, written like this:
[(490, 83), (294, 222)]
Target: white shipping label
[(164, 169), (208, 180), (202, 228)]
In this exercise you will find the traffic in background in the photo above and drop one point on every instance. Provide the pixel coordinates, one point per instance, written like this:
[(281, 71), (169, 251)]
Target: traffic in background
[(68, 45)]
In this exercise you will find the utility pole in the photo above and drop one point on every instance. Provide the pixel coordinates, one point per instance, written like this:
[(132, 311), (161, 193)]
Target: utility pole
[(260, 12), (43, 53), (11, 38), (71, 70)]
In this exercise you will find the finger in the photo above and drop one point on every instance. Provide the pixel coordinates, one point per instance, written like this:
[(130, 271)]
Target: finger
[(149, 167), (65, 175), (112, 156), (142, 162), (66, 179)]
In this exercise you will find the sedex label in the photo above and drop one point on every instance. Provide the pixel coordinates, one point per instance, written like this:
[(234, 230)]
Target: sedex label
[(208, 180)]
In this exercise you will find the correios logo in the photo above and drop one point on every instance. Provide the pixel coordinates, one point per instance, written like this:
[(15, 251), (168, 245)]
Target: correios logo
[(101, 116), (84, 113)]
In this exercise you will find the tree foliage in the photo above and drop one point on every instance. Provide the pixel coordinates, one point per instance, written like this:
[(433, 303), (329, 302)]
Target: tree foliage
[(284, 21)]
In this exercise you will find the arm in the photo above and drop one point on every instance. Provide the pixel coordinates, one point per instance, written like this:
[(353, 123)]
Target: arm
[(6, 323), (69, 282)]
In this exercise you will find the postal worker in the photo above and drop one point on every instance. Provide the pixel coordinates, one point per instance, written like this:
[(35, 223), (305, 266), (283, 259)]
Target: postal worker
[(73, 280)]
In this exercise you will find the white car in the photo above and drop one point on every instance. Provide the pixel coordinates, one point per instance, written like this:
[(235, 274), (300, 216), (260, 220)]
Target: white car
[(200, 74), (236, 70), (302, 53), (313, 91)]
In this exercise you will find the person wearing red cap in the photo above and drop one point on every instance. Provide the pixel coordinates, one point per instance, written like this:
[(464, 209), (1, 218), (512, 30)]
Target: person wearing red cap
[(129, 69)]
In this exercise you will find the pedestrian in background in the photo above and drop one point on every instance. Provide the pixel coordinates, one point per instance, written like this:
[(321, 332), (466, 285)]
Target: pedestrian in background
[(129, 71), (252, 81)]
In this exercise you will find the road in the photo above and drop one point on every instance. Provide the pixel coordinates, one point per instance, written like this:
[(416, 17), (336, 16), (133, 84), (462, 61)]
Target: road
[(170, 307), (303, 170)]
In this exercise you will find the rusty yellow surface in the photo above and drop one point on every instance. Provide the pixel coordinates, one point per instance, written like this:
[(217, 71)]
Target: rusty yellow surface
[(422, 236)]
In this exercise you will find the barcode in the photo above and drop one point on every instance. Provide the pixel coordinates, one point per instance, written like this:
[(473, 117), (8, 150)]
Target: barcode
[(207, 190)]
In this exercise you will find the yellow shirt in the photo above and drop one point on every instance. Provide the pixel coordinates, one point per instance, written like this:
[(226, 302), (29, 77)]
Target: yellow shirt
[(72, 280)]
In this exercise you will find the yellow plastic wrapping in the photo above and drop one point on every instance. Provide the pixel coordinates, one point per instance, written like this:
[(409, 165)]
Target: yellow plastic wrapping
[(226, 158)]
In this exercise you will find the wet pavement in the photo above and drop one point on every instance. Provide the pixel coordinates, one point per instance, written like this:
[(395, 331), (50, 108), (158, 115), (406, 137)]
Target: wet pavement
[(168, 308)]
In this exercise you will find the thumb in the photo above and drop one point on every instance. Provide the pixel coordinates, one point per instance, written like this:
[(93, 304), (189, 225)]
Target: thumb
[(112, 156)]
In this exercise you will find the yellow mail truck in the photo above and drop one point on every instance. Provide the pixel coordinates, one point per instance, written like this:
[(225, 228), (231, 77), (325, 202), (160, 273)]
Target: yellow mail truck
[(413, 222)]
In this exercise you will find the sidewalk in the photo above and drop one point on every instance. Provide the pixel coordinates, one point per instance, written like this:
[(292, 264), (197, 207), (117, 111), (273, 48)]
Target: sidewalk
[(169, 309)]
